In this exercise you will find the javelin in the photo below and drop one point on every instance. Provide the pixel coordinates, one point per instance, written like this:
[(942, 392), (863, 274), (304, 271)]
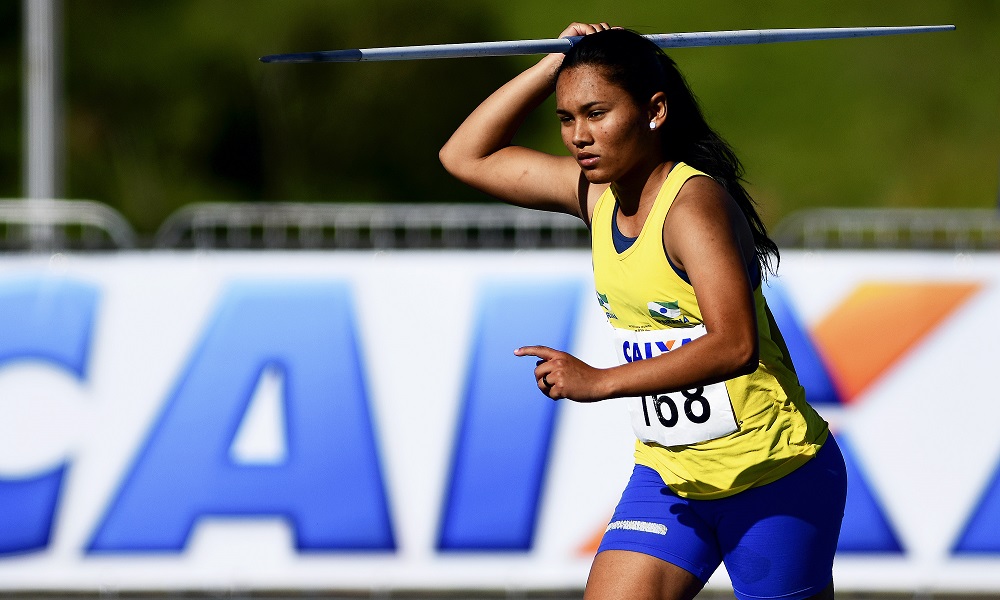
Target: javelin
[(663, 40)]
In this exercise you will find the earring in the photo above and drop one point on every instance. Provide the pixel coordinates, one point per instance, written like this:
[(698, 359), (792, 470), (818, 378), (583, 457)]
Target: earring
[(652, 125)]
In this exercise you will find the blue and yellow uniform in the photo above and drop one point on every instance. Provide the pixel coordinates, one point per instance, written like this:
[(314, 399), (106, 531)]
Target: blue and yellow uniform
[(722, 449)]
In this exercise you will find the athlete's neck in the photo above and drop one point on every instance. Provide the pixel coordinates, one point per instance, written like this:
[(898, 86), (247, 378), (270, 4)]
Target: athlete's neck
[(636, 193), (637, 190)]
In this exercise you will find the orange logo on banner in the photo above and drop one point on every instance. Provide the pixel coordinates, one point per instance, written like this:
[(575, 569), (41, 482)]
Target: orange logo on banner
[(878, 324), (868, 333)]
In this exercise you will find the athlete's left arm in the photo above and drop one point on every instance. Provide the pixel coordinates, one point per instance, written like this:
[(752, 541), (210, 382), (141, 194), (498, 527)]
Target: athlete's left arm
[(706, 235)]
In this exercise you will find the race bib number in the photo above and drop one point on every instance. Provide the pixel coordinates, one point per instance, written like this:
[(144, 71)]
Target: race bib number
[(675, 418)]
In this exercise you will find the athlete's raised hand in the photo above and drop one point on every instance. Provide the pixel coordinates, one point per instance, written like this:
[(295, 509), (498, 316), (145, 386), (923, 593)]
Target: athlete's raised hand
[(575, 29)]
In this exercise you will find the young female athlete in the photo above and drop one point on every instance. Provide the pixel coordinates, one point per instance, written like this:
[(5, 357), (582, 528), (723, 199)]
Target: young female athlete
[(732, 464)]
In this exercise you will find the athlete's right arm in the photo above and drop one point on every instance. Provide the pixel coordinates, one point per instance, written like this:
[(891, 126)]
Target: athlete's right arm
[(481, 155)]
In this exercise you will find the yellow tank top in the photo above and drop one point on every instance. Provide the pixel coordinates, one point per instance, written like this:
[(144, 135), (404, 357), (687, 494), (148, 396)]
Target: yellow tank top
[(776, 430)]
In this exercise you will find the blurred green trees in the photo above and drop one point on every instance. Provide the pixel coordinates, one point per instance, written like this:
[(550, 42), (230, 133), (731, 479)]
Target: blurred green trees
[(166, 103), (10, 99)]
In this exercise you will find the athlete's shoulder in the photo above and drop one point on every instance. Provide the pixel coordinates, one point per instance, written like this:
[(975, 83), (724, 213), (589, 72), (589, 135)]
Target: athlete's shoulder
[(700, 185), (702, 197)]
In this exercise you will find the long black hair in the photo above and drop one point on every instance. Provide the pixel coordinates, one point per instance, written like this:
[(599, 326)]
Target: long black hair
[(642, 69)]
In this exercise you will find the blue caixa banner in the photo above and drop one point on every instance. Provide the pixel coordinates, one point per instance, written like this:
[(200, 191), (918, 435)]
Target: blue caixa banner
[(342, 420)]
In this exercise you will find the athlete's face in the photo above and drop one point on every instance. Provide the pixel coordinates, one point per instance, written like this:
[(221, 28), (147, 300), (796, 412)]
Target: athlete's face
[(602, 126)]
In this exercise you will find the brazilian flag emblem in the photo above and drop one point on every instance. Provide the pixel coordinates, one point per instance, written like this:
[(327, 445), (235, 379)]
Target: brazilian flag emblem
[(606, 305), (664, 310)]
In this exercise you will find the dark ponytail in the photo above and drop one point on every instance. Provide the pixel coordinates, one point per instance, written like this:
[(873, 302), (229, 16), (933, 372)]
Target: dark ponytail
[(642, 69)]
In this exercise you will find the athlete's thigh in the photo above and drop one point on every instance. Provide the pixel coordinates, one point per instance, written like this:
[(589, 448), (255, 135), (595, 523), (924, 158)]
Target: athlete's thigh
[(779, 540), (627, 575), (652, 520)]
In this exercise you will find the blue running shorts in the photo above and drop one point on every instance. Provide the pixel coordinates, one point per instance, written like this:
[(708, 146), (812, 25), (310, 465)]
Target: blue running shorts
[(777, 540)]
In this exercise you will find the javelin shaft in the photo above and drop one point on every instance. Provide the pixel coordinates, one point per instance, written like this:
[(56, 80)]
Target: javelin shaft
[(663, 40), (770, 36)]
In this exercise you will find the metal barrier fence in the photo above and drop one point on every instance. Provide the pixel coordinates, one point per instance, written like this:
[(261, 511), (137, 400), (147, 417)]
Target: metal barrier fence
[(49, 225), (360, 226), (905, 229), (52, 225)]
